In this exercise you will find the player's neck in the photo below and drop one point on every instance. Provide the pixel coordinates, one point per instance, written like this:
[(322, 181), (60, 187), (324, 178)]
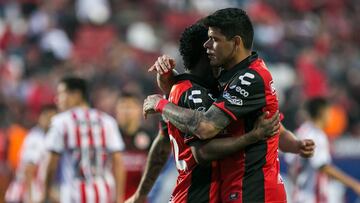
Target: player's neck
[(319, 123), (239, 56), (81, 104)]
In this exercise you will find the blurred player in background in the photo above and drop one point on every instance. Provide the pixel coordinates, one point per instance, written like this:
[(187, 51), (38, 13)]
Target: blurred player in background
[(28, 183), (310, 176), (90, 143), (128, 114)]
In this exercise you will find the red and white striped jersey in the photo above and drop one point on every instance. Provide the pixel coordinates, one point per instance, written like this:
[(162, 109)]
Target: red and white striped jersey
[(311, 185), (33, 151), (86, 138)]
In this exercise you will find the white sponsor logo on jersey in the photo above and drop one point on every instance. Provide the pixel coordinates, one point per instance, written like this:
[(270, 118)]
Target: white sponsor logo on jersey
[(272, 86), (232, 99), (242, 91), (243, 77), (194, 93)]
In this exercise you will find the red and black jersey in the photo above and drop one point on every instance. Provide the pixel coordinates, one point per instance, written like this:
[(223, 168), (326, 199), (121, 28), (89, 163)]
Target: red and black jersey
[(195, 183), (251, 175)]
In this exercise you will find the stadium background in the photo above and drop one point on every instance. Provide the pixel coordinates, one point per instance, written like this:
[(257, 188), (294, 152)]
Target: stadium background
[(310, 46)]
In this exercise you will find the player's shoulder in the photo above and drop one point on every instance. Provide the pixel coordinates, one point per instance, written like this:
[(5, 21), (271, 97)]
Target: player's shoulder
[(61, 116), (260, 68), (35, 134), (105, 117)]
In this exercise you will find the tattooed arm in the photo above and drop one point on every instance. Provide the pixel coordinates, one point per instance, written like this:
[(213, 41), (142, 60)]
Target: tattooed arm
[(203, 125), (158, 155), (219, 148)]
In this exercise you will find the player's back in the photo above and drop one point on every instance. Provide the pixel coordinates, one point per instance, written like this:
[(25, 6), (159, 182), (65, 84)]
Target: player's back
[(195, 183), (86, 138)]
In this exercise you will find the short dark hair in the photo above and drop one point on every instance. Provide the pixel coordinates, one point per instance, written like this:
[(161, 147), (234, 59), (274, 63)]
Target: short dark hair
[(232, 22), (191, 45), (73, 83), (315, 105)]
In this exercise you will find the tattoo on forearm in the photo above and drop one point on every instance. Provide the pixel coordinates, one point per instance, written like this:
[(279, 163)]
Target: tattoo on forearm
[(185, 120), (218, 117), (188, 121), (157, 158)]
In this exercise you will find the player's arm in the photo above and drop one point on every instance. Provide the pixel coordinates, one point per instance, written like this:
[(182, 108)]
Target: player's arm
[(55, 145), (30, 172), (158, 155), (289, 143), (119, 176), (203, 125), (219, 148), (342, 177), (51, 173)]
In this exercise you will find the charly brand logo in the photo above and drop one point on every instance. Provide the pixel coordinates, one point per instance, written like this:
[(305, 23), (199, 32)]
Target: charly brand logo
[(243, 78), (242, 91), (194, 93), (232, 99)]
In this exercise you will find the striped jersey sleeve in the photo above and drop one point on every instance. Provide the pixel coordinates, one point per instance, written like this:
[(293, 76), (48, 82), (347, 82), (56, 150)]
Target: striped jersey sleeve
[(55, 135)]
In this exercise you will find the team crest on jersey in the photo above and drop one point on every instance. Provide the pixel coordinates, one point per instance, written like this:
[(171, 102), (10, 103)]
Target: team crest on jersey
[(201, 109), (232, 99)]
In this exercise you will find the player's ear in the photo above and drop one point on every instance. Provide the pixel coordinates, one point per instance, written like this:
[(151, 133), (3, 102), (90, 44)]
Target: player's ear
[(238, 41)]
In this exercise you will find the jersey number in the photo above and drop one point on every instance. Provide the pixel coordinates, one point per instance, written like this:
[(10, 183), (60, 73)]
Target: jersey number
[(180, 164)]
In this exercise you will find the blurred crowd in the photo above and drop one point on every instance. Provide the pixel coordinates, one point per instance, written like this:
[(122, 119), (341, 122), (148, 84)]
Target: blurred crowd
[(311, 47)]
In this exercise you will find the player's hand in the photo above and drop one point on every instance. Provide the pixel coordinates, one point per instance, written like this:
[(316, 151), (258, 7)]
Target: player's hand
[(164, 64), (306, 148), (267, 128), (150, 103), (136, 199)]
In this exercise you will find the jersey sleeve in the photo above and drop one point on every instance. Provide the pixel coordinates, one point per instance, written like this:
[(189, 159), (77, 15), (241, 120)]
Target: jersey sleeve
[(322, 155), (55, 136), (199, 99), (114, 141), (31, 151), (245, 94)]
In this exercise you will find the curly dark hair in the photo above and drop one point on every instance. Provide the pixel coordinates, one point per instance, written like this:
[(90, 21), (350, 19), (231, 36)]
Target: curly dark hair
[(232, 22), (191, 45)]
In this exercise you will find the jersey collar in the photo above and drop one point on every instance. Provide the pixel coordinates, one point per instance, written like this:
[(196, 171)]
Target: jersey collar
[(226, 75)]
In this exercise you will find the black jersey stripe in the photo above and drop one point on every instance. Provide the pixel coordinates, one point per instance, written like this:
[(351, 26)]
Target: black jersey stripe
[(199, 190)]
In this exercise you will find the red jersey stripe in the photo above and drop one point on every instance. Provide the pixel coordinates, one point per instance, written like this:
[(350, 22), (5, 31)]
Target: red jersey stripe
[(90, 133), (108, 193), (96, 190), (83, 192), (77, 130)]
